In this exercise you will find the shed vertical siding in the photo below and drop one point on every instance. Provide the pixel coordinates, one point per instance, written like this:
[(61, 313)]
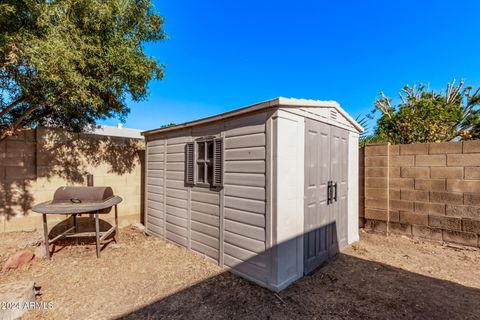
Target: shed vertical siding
[(205, 207), (155, 172), (192, 214), (245, 196), (205, 231), (176, 193)]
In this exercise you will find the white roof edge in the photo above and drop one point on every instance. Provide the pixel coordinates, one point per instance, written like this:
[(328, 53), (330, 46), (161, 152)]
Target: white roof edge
[(319, 103), (276, 102)]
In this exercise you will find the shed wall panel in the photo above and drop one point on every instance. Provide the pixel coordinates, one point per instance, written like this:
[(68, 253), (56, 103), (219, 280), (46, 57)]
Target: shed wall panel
[(156, 230), (155, 181), (205, 207), (252, 166), (204, 228), (155, 213), (156, 150), (204, 249), (243, 179), (155, 165), (179, 212), (152, 190), (176, 221), (175, 184), (155, 142), (246, 229), (245, 196), (176, 193), (245, 141), (244, 242), (243, 204), (154, 221), (249, 192), (155, 205), (190, 216), (179, 231), (246, 269), (176, 238), (155, 173), (254, 153), (245, 255), (210, 198), (154, 198), (254, 219), (204, 218), (156, 157), (178, 203), (207, 240)]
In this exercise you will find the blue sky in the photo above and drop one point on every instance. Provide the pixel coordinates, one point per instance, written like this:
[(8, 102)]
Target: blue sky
[(222, 55)]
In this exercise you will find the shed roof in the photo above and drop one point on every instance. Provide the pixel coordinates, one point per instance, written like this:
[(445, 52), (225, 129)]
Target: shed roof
[(277, 102)]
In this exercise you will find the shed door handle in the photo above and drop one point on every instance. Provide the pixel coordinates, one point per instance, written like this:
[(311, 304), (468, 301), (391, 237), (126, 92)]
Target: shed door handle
[(336, 191), (329, 192)]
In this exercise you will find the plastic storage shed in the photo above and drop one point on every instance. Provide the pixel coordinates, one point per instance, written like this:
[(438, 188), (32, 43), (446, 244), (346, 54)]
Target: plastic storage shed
[(269, 191)]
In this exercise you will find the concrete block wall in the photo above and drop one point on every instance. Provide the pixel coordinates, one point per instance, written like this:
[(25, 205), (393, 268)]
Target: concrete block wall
[(36, 162), (361, 187), (427, 190)]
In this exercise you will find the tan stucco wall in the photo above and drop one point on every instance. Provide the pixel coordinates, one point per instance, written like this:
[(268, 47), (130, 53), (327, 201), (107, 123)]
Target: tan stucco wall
[(36, 162)]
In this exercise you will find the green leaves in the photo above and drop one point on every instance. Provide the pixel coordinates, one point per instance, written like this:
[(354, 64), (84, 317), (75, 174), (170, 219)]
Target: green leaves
[(429, 116), (68, 63)]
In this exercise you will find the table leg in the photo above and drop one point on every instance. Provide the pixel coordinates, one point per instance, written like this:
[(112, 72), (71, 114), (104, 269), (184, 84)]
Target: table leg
[(76, 227), (97, 234), (75, 222), (45, 236), (116, 224)]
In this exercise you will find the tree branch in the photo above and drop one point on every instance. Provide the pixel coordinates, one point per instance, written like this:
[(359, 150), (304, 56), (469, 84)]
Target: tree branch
[(29, 111), (23, 116), (14, 128), (12, 105)]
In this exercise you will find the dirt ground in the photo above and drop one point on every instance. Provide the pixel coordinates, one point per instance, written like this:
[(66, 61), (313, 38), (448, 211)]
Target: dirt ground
[(144, 277)]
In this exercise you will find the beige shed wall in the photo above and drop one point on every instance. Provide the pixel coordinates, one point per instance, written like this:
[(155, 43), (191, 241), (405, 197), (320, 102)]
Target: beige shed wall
[(227, 225)]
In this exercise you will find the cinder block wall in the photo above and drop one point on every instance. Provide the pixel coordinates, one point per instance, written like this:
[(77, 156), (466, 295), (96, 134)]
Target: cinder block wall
[(36, 162), (425, 190), (361, 188)]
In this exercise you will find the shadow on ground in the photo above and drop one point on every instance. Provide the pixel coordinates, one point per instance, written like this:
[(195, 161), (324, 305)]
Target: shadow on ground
[(346, 288)]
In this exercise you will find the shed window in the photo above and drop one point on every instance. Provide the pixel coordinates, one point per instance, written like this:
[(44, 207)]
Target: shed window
[(204, 163)]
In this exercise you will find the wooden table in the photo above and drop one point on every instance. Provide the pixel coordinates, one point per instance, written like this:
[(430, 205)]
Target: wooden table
[(74, 209)]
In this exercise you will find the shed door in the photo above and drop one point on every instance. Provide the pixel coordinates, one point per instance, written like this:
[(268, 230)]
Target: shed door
[(325, 224), (338, 174)]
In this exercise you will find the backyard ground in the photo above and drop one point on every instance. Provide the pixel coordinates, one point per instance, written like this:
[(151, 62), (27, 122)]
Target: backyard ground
[(144, 277)]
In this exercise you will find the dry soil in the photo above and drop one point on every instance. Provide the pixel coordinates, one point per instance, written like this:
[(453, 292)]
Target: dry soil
[(145, 277)]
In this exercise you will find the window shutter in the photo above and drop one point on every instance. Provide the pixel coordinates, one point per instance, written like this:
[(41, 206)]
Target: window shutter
[(218, 162), (189, 163)]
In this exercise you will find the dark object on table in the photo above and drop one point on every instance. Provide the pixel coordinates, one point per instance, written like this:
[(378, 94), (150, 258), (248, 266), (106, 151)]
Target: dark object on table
[(78, 200)]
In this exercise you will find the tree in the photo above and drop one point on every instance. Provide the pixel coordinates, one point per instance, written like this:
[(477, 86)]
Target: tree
[(69, 63), (429, 116)]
